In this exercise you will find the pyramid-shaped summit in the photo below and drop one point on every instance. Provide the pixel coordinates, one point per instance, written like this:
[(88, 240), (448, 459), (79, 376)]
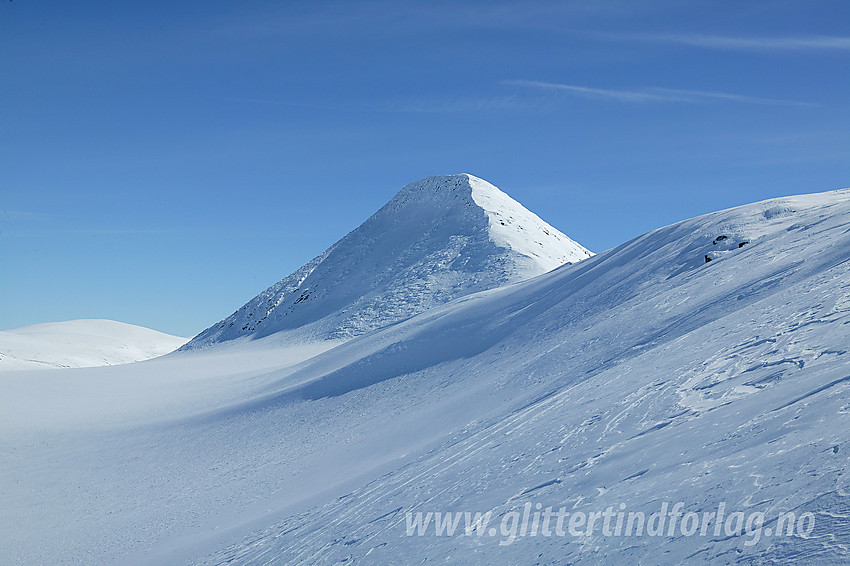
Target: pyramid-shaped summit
[(438, 239)]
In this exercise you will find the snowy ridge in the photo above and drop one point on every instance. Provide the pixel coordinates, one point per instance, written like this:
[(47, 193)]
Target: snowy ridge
[(438, 239), (82, 343), (644, 374)]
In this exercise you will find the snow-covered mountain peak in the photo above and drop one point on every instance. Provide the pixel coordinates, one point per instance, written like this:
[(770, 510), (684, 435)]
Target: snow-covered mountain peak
[(437, 239), (508, 223)]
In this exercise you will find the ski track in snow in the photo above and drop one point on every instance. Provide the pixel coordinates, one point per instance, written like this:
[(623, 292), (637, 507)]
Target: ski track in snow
[(643, 374)]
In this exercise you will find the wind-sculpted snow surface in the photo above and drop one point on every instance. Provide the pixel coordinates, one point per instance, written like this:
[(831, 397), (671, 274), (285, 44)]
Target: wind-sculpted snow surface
[(640, 377), (438, 239)]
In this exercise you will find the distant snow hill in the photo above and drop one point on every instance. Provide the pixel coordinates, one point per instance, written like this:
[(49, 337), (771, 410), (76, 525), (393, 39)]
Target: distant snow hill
[(438, 239), (81, 343)]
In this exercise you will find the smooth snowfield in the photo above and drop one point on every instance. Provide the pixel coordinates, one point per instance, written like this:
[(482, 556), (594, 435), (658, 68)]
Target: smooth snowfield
[(82, 343), (640, 375)]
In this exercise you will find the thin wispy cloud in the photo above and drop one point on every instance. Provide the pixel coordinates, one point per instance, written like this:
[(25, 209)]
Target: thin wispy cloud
[(741, 43), (654, 94), (52, 232), (418, 105), (23, 215), (436, 105), (394, 18)]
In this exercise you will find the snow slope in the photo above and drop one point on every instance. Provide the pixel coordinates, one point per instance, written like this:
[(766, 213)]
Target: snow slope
[(438, 239), (640, 375), (81, 343)]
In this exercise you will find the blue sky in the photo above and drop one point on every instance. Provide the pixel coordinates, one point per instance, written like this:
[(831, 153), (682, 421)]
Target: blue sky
[(162, 162)]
